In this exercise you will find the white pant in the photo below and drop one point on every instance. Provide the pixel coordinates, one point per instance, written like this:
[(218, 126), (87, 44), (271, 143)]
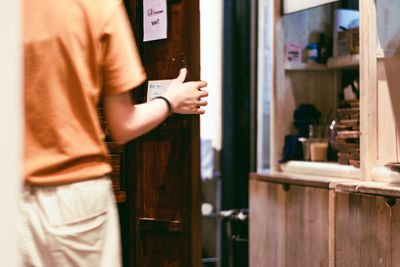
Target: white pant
[(70, 225)]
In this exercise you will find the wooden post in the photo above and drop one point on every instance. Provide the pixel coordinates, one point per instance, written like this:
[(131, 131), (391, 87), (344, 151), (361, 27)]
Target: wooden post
[(276, 144), (368, 85)]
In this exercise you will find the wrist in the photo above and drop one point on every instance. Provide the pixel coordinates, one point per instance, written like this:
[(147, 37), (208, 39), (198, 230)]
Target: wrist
[(168, 103), (172, 100)]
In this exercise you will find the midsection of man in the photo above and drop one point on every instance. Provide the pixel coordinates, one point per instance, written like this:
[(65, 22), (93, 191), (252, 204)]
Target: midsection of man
[(74, 53)]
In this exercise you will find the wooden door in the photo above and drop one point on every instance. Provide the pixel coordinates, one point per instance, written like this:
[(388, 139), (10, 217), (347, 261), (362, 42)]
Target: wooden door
[(162, 168)]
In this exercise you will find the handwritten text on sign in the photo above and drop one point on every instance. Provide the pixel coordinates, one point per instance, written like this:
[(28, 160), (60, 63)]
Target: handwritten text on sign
[(155, 20)]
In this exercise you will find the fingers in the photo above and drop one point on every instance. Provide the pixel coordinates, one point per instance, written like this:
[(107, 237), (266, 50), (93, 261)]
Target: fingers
[(182, 75), (200, 84), (202, 103), (203, 93), (198, 111), (197, 84)]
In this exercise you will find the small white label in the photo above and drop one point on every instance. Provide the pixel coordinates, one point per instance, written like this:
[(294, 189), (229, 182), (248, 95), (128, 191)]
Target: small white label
[(312, 53), (156, 88)]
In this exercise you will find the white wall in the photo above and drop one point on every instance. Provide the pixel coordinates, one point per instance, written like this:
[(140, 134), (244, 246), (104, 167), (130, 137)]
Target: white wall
[(211, 19), (11, 128)]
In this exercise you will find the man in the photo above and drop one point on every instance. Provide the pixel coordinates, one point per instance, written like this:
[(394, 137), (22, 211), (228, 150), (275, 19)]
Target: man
[(76, 52)]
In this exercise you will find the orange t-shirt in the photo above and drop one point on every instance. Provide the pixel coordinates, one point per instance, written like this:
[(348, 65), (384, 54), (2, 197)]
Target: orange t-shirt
[(74, 53)]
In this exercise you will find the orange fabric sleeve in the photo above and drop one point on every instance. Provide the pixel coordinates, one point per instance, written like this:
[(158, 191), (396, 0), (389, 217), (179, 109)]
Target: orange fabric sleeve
[(122, 66)]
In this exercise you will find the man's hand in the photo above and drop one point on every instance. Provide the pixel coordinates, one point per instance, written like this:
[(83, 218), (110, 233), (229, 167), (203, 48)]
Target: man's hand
[(186, 98), (126, 121)]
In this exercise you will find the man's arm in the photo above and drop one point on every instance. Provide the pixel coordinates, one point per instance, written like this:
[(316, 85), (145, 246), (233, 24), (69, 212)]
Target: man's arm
[(126, 121)]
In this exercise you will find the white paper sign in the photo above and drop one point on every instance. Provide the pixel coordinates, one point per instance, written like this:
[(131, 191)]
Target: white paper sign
[(154, 20), (156, 88)]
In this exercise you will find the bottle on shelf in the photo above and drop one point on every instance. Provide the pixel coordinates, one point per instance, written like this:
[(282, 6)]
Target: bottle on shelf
[(322, 49)]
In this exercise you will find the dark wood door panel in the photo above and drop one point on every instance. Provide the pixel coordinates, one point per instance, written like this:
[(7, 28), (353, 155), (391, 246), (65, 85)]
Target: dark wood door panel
[(165, 174), (163, 249), (164, 180), (162, 168), (162, 58)]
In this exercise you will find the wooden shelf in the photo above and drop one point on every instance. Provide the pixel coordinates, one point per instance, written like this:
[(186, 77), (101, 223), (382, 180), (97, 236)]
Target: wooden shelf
[(327, 169), (385, 175), (299, 179), (338, 184), (344, 62), (305, 67), (370, 188)]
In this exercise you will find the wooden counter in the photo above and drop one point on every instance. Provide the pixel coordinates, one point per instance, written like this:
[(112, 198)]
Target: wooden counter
[(338, 184), (299, 179), (300, 220)]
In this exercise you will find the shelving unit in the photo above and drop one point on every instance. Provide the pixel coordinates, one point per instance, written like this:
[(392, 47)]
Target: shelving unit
[(348, 215), (377, 63), (304, 83)]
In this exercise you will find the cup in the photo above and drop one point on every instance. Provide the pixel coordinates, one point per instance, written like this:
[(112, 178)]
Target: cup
[(319, 150)]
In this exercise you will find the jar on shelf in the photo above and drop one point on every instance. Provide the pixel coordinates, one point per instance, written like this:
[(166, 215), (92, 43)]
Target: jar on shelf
[(312, 53)]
